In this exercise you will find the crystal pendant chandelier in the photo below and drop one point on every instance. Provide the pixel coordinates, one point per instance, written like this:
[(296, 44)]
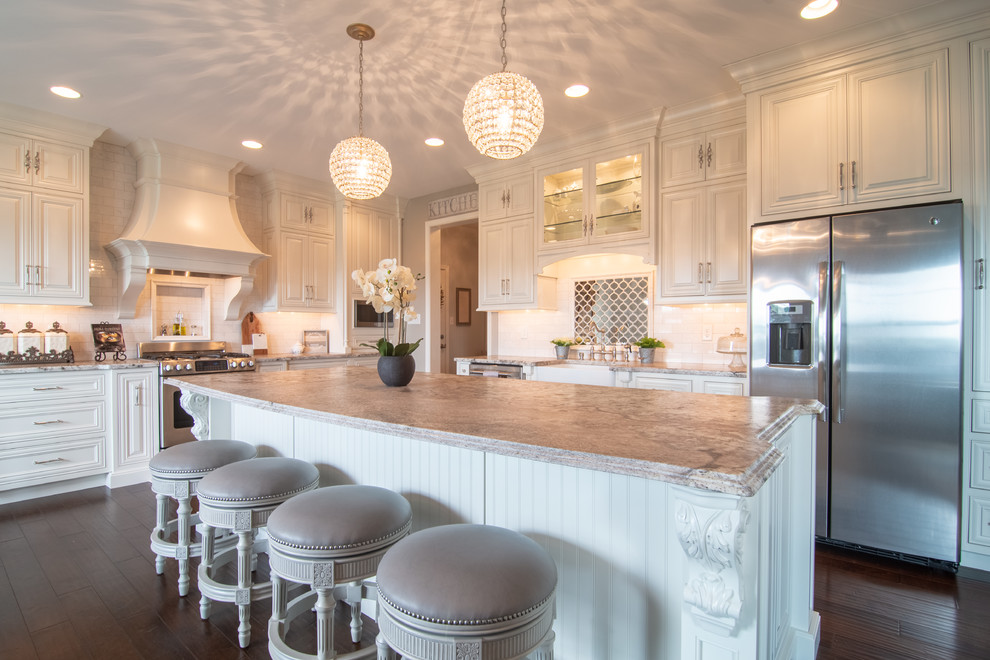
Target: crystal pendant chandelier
[(503, 112), (359, 166)]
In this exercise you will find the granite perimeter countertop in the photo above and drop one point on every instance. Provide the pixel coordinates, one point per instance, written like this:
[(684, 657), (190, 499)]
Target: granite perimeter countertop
[(682, 368), (85, 365), (718, 443), (273, 357)]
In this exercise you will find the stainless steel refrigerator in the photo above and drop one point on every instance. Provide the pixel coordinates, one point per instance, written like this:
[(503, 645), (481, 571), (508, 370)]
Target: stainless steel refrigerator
[(864, 313)]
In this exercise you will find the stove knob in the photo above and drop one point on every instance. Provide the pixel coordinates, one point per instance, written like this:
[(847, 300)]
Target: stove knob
[(250, 363), (233, 364), (188, 366), (243, 364), (167, 367)]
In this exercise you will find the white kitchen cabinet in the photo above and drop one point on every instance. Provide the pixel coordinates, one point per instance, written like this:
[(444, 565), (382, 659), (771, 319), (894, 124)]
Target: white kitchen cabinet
[(44, 210), (878, 132), (703, 156), (304, 272), (136, 424), (507, 268), (273, 365), (601, 201), (506, 199), (650, 380), (53, 427), (42, 164), (575, 373), (704, 242), (372, 235), (300, 236)]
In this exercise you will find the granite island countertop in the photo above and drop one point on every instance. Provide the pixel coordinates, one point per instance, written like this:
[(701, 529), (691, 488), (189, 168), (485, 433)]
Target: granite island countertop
[(716, 443), (681, 368)]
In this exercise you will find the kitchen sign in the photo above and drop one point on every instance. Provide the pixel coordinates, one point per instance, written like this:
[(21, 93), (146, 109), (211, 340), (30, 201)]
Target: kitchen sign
[(454, 205)]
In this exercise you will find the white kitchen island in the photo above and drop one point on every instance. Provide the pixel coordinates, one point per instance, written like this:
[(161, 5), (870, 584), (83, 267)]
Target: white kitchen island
[(681, 524)]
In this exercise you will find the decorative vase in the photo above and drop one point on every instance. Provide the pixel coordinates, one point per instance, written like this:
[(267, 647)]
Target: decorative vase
[(396, 370), (562, 351), (646, 354)]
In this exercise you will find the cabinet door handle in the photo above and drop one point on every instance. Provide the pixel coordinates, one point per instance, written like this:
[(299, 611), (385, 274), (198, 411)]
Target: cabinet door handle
[(842, 178), (137, 395), (701, 156), (709, 271), (508, 198), (503, 199), (51, 460), (37, 162), (508, 286), (709, 154), (980, 273), (584, 225), (37, 276), (53, 421), (27, 161), (27, 275), (591, 229), (854, 174), (45, 389), (700, 277)]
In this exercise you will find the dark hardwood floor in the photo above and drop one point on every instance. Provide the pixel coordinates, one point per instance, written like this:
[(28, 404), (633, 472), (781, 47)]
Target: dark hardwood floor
[(77, 580)]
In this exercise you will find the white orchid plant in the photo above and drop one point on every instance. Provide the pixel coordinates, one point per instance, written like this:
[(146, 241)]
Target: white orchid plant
[(391, 288)]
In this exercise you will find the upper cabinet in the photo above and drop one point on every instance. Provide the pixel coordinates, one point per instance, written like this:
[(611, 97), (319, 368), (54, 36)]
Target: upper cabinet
[(372, 235), (877, 132), (44, 208), (300, 236), (602, 201), (506, 199), (703, 156)]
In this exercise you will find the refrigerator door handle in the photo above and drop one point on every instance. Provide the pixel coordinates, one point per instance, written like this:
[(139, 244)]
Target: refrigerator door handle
[(837, 301), (823, 393)]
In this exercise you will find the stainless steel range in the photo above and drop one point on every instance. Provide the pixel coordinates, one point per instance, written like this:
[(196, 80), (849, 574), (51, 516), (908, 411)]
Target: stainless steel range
[(188, 358)]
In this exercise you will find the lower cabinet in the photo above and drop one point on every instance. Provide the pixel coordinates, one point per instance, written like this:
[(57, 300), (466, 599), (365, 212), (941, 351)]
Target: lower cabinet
[(575, 373), (646, 380), (290, 364), (57, 426)]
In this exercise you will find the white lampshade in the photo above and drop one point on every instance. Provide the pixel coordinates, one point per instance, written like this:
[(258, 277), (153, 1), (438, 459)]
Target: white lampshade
[(360, 168), (503, 115)]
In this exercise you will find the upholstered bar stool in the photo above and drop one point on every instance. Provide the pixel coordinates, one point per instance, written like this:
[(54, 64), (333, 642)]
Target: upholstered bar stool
[(331, 539), (466, 591), (175, 473), (240, 497)]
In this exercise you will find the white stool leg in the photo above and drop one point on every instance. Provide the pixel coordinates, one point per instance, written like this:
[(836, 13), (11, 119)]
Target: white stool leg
[(182, 551), (385, 652), (208, 533), (325, 604), (245, 544), (545, 652), (161, 520), (279, 598), (354, 593)]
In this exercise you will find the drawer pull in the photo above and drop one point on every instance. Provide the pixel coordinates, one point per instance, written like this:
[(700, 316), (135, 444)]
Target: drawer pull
[(54, 421), (50, 460), (45, 389)]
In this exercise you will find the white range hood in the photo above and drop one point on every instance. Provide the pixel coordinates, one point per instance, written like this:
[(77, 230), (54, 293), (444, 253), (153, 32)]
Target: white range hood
[(185, 220)]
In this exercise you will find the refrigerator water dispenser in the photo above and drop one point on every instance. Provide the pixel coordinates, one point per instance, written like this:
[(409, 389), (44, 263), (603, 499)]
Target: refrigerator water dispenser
[(790, 333)]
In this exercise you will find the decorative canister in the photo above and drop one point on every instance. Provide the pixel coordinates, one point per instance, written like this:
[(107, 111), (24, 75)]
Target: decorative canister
[(29, 338), (56, 339), (7, 340)]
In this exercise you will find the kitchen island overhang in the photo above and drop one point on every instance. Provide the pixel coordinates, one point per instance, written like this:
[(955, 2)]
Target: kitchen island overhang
[(681, 523)]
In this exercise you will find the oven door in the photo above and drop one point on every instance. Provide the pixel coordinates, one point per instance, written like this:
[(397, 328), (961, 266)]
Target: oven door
[(176, 422)]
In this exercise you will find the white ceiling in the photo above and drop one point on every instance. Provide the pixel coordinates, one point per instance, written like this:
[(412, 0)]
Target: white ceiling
[(209, 73)]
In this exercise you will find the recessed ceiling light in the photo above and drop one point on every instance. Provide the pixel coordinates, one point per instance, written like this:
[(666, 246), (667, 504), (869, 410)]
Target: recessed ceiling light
[(65, 92), (252, 144), (575, 91), (819, 8), (434, 142)]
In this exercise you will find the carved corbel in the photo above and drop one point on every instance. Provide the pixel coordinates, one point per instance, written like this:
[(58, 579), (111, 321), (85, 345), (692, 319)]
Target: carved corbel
[(198, 406)]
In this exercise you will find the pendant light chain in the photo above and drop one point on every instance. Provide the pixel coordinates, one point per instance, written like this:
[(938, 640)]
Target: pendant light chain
[(361, 86), (505, 60)]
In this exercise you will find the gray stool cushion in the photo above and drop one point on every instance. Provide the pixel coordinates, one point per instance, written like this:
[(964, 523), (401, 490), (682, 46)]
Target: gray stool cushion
[(192, 459), (466, 574), (257, 481), (340, 520)]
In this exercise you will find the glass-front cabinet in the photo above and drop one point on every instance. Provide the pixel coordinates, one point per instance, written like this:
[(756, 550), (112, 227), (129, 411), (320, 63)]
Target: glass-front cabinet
[(600, 200)]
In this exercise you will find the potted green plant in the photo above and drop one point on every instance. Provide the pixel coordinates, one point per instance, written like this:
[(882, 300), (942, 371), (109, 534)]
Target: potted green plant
[(647, 348), (562, 346), (391, 287)]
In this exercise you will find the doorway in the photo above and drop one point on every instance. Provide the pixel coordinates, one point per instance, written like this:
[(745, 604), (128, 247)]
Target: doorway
[(454, 326)]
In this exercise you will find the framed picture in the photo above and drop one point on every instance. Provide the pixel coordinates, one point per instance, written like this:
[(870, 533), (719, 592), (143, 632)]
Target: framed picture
[(463, 300), (108, 337)]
